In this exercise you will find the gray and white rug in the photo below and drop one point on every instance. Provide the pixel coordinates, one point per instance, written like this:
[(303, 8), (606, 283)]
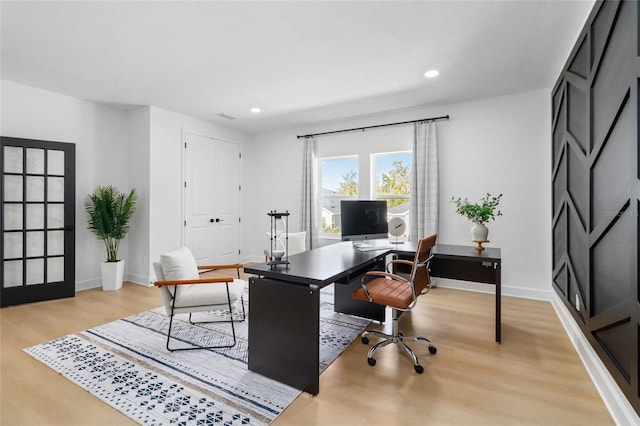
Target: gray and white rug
[(125, 364)]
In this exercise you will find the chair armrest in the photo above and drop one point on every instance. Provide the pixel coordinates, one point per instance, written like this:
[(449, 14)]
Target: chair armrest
[(190, 282), (402, 261), (399, 262), (215, 267)]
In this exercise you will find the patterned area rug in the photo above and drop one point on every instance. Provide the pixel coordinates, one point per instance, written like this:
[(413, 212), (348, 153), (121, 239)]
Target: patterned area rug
[(125, 364)]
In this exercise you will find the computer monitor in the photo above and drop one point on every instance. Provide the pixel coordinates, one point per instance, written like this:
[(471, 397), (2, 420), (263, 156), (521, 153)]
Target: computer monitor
[(363, 220)]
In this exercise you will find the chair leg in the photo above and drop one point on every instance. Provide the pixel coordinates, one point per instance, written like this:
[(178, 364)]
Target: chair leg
[(233, 329), (395, 337)]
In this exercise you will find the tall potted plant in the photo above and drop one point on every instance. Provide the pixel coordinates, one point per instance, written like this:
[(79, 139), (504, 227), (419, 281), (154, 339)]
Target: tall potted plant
[(479, 214), (108, 214)]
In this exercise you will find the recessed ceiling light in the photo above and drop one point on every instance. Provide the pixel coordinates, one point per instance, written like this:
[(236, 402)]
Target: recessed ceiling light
[(255, 110), (431, 73)]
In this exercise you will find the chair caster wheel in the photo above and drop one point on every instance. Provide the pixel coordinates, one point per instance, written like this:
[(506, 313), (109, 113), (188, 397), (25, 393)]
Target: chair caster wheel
[(372, 362), (419, 369), (433, 349), (365, 340)]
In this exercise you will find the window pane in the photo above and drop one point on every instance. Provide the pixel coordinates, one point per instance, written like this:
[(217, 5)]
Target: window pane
[(339, 181), (35, 271), (13, 273), (393, 183), (56, 162), (12, 245), (35, 216), (55, 218), (55, 269), (35, 188), (12, 159), (35, 161), (13, 217), (35, 243), (55, 190), (13, 188)]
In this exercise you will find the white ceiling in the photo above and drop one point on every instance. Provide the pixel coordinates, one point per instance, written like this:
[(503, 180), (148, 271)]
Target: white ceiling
[(301, 62)]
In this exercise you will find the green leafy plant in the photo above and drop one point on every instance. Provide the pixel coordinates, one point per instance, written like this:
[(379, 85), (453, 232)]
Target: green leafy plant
[(479, 213), (109, 213)]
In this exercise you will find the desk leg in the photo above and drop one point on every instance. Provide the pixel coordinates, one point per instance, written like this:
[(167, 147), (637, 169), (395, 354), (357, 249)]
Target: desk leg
[(498, 272), (284, 330)]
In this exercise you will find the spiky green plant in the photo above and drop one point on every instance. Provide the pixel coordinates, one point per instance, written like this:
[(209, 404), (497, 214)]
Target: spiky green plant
[(109, 212), (479, 213)]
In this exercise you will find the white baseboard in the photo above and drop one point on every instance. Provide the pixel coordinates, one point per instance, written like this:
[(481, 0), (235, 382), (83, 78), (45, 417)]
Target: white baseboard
[(97, 282), (252, 259), (616, 402), (88, 284), (139, 279), (527, 293)]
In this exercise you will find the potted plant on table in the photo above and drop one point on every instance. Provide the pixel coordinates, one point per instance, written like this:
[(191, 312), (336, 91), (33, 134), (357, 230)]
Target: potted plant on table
[(109, 213), (479, 214)]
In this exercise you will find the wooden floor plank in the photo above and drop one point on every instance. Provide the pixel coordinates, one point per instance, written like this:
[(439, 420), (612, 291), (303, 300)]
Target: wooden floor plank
[(534, 377)]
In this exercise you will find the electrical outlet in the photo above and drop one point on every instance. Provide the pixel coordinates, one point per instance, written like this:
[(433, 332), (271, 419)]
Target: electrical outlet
[(578, 303)]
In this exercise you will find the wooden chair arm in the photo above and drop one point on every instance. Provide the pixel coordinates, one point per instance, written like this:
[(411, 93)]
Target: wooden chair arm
[(215, 267), (190, 282)]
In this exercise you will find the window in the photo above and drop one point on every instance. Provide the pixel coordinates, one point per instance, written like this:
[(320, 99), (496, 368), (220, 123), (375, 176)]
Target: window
[(338, 181), (389, 179), (392, 172)]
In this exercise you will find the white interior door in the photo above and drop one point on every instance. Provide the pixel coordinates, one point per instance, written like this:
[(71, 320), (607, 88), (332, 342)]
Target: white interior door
[(212, 199)]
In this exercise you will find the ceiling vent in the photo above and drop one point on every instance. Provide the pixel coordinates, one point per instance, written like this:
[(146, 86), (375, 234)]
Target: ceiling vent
[(227, 116)]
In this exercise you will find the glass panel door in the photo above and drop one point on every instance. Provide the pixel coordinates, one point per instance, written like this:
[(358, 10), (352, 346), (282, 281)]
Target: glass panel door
[(38, 225)]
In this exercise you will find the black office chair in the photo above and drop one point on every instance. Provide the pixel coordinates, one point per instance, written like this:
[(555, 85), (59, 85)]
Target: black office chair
[(401, 294)]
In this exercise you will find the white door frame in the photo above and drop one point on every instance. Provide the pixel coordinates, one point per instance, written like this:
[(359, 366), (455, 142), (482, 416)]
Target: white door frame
[(184, 134)]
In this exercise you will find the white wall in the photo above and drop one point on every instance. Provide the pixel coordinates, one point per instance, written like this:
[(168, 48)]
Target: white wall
[(165, 172), (138, 149), (100, 135), (497, 145), (138, 238)]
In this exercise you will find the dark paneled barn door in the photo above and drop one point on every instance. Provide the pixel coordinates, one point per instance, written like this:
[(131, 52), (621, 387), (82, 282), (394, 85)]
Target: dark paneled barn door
[(38, 220), (596, 188)]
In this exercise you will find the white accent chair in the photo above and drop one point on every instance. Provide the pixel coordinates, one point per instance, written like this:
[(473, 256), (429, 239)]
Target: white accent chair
[(183, 291)]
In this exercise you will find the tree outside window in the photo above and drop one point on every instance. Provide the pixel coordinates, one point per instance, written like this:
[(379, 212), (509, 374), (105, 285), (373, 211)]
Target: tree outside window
[(339, 181), (393, 183)]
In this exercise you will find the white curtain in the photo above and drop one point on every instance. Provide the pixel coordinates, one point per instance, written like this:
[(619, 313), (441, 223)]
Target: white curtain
[(309, 214), (424, 181)]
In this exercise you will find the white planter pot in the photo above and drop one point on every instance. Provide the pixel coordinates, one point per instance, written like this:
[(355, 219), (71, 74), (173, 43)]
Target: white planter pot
[(112, 275), (479, 232)]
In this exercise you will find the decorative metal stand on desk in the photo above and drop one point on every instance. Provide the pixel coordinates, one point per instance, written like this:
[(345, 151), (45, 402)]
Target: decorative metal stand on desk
[(279, 248)]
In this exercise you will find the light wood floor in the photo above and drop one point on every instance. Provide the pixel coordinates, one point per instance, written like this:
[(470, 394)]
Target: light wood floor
[(533, 378)]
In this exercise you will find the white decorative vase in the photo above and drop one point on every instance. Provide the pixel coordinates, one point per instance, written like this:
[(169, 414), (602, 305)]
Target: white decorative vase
[(112, 275), (479, 232)]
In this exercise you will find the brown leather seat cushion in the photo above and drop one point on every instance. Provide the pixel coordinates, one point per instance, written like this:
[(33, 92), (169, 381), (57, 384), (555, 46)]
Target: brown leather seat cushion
[(396, 294)]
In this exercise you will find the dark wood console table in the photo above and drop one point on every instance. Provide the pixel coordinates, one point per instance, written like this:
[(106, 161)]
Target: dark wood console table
[(464, 263)]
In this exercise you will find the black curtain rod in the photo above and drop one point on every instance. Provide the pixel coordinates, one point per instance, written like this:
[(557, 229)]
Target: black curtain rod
[(444, 117)]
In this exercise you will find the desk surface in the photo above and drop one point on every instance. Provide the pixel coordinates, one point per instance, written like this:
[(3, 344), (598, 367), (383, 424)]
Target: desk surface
[(321, 266), (325, 265)]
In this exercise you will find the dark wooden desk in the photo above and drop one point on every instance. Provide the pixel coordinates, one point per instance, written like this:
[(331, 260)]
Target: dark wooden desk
[(284, 301), (464, 263), (284, 310)]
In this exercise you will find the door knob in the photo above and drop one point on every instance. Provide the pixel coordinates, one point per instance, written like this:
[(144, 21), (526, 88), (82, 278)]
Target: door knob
[(211, 220)]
